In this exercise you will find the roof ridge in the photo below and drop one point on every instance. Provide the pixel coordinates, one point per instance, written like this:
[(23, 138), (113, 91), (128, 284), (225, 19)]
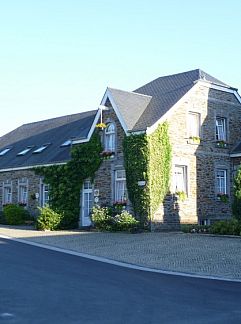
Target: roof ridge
[(132, 92), (54, 118)]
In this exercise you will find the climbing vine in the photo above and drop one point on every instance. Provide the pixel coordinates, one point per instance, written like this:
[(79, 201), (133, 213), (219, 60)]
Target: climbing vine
[(66, 180), (148, 158)]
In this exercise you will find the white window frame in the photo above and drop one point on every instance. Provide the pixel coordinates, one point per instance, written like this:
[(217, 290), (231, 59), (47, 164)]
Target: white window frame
[(120, 186), (221, 180), (180, 181), (7, 196), (110, 137), (221, 128), (44, 188), (194, 124), (23, 191)]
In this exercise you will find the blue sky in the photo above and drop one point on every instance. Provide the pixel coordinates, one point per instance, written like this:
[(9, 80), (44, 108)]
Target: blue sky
[(58, 56)]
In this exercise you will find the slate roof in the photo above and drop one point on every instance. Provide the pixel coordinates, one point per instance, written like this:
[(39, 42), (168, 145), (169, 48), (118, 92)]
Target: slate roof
[(54, 131), (141, 112), (130, 104)]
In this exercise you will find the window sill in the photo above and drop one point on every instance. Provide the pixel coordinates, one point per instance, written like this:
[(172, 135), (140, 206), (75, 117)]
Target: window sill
[(221, 144)]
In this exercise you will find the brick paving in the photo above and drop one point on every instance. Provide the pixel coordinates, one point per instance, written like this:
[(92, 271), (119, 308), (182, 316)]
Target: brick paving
[(203, 255)]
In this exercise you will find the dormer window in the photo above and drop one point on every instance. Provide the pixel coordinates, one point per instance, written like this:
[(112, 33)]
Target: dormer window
[(25, 151), (41, 148), (66, 143), (110, 137), (3, 152)]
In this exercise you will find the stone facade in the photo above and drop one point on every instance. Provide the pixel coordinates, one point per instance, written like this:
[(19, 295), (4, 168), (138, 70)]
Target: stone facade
[(201, 159), (14, 180), (104, 181)]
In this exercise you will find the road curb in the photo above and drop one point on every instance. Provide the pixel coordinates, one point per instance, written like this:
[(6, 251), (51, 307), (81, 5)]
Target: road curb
[(117, 263)]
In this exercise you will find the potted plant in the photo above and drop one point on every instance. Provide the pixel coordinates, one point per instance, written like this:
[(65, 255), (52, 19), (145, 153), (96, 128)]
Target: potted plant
[(223, 197), (181, 195)]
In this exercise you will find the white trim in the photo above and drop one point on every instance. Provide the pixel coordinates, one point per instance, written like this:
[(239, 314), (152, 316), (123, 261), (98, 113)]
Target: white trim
[(109, 96), (219, 87), (31, 167), (235, 155)]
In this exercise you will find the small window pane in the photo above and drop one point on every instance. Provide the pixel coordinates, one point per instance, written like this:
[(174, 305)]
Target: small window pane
[(221, 178), (194, 124), (221, 133), (180, 178), (110, 137)]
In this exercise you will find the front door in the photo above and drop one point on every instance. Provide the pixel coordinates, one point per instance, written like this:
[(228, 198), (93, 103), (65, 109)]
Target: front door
[(87, 203)]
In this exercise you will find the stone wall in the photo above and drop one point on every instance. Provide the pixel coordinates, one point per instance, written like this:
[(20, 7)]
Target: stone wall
[(33, 187), (202, 160)]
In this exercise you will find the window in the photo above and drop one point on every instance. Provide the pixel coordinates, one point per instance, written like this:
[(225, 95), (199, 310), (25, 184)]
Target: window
[(221, 132), (193, 124), (7, 192), (221, 181), (41, 148), (67, 143), (26, 150), (23, 191), (120, 185), (110, 137), (44, 194), (180, 178), (3, 152)]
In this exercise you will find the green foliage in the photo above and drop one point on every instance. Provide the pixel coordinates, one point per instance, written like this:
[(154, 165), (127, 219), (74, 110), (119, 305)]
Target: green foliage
[(48, 219), (15, 214), (226, 227), (181, 195), (236, 206), (159, 166), (147, 157), (195, 228), (136, 161), (104, 219), (101, 218), (124, 222), (66, 180)]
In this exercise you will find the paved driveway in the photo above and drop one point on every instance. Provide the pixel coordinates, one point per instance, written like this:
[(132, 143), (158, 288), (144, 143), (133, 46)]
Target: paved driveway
[(203, 255)]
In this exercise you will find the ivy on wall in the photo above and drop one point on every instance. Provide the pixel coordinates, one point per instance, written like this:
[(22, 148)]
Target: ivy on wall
[(66, 181), (148, 158)]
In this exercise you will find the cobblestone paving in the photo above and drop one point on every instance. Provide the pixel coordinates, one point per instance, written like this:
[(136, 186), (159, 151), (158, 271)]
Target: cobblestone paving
[(203, 255)]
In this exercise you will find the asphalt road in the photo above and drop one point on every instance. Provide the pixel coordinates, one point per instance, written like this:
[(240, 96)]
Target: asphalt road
[(43, 286)]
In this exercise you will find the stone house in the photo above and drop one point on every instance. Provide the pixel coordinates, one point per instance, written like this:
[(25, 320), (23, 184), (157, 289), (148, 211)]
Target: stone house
[(204, 118)]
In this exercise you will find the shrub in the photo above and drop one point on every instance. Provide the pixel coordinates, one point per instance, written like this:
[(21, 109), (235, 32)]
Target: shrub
[(124, 222), (48, 219), (105, 219), (195, 228), (226, 227), (101, 218), (15, 214), (236, 206), (2, 218)]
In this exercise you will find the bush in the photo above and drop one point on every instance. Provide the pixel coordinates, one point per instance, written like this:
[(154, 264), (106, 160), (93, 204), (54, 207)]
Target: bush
[(236, 206), (124, 222), (48, 219), (104, 219), (226, 227), (195, 228), (101, 218), (15, 214)]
